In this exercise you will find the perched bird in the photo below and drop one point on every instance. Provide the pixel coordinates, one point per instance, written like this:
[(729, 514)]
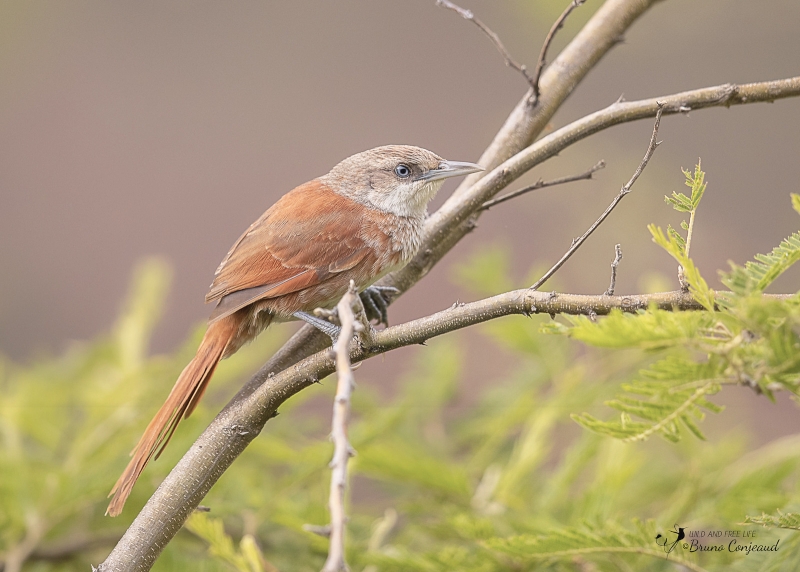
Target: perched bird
[(359, 222)]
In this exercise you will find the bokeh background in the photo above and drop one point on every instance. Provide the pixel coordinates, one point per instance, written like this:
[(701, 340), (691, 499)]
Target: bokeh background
[(137, 128)]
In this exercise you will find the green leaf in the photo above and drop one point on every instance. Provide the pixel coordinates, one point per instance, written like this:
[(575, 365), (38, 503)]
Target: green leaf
[(679, 202), (674, 391), (579, 542), (675, 236), (789, 520), (796, 202), (220, 545), (767, 267), (696, 182), (698, 287), (648, 330)]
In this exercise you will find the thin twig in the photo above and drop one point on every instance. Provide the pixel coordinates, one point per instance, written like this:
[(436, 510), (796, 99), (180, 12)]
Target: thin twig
[(540, 184), (342, 451), (561, 78), (576, 244), (547, 41), (510, 62), (617, 259)]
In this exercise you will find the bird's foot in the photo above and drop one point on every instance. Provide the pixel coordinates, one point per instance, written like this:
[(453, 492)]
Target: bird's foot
[(324, 326), (376, 300)]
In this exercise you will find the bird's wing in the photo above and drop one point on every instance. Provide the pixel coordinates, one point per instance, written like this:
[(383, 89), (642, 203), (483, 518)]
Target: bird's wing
[(310, 234)]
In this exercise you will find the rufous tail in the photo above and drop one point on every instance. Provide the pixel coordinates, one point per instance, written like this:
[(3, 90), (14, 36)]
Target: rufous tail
[(181, 402)]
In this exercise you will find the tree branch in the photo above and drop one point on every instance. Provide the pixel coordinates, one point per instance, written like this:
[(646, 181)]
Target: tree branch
[(557, 25), (508, 156), (455, 219), (540, 184), (510, 62), (599, 34), (614, 264), (576, 244), (234, 428), (244, 417), (562, 76), (342, 449)]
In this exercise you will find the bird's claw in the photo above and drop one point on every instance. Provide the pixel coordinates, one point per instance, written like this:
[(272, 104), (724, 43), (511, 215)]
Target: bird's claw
[(376, 300)]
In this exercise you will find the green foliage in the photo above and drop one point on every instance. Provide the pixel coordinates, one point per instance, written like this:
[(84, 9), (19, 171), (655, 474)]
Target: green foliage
[(678, 246), (585, 540), (756, 276), (696, 182), (789, 520), (67, 422), (674, 244), (667, 409), (470, 463), (248, 557), (750, 340)]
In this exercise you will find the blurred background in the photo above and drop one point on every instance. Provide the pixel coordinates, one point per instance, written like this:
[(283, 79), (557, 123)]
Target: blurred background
[(137, 128)]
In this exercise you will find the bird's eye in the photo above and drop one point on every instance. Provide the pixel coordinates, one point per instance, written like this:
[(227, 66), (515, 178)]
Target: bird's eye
[(402, 170)]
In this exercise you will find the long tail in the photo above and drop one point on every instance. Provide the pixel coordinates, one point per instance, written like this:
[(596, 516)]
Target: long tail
[(181, 402)]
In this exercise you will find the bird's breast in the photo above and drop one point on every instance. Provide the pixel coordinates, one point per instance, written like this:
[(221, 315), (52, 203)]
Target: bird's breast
[(394, 239)]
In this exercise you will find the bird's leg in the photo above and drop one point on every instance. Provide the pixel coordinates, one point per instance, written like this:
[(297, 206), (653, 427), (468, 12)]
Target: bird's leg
[(376, 301), (330, 330)]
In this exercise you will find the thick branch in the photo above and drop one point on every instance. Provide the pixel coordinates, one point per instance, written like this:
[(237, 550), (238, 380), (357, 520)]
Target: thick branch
[(243, 418), (455, 219), (527, 121), (238, 424), (600, 34)]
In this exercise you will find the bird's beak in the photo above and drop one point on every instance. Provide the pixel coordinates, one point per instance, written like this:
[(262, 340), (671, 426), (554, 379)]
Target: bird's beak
[(449, 169)]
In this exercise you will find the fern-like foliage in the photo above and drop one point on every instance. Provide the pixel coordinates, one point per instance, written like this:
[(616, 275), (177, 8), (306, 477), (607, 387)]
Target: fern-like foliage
[(480, 479), (247, 557), (757, 275), (678, 246), (581, 541), (679, 250), (788, 520), (696, 182), (669, 395), (746, 339)]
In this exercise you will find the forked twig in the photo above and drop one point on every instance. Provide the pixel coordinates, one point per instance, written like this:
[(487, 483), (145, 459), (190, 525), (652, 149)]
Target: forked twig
[(543, 184), (546, 45), (576, 244), (510, 62), (614, 264)]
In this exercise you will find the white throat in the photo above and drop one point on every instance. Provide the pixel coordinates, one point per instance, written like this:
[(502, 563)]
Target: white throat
[(408, 199)]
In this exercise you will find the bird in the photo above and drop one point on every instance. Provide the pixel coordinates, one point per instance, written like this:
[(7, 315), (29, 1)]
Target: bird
[(359, 222)]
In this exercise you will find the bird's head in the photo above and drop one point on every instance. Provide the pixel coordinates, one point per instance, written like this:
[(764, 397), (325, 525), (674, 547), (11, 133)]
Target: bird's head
[(399, 179)]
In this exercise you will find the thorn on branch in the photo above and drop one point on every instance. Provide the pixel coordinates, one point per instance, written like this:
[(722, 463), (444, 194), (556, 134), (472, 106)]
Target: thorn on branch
[(651, 147), (324, 531), (557, 25), (540, 184), (510, 62), (614, 264)]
